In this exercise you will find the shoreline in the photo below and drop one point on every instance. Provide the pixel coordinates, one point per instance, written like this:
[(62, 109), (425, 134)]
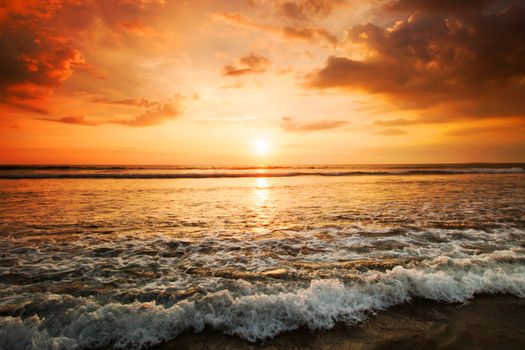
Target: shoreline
[(485, 322)]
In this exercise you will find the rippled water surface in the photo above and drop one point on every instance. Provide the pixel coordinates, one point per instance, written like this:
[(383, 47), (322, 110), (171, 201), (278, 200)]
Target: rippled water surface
[(127, 262)]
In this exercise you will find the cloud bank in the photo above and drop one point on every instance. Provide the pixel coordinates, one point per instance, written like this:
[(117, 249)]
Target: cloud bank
[(461, 56)]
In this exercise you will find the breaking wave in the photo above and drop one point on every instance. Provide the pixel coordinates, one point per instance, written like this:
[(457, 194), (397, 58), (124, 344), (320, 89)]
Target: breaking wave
[(255, 314)]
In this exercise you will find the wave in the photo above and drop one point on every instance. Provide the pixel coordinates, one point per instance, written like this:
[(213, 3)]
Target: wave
[(203, 175), (145, 167), (254, 315)]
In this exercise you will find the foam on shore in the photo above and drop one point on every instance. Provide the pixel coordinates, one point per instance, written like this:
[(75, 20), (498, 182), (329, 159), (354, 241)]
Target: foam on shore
[(87, 323)]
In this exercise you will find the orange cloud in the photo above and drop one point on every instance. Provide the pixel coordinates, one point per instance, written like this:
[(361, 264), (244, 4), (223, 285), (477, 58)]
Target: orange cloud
[(391, 132), (33, 62), (251, 63), (510, 128), (154, 113), (288, 124), (137, 102), (311, 34), (42, 42), (305, 10), (158, 114), (397, 122)]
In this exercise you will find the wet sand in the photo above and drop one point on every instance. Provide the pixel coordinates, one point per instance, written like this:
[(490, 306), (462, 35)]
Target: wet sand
[(486, 322)]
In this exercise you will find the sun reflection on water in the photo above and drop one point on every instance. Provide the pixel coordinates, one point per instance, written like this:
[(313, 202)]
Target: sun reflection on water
[(261, 191), (263, 208)]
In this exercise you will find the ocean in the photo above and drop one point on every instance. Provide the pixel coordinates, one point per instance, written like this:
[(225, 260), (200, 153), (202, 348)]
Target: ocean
[(130, 257)]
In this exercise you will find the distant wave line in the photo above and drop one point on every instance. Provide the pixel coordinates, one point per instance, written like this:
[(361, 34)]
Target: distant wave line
[(257, 174), (354, 167)]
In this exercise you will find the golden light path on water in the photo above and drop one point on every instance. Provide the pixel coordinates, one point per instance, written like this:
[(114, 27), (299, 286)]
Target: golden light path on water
[(263, 205)]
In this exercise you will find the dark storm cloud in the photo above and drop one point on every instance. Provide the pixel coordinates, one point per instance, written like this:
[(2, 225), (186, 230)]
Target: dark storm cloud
[(449, 6), (469, 64)]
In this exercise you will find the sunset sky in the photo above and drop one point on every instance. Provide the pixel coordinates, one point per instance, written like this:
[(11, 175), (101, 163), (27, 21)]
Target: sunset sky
[(261, 81)]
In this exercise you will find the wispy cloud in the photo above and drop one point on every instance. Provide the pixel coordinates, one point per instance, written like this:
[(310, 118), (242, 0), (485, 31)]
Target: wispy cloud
[(157, 114), (511, 127), (299, 32), (391, 132), (289, 125), (154, 113), (397, 122), (77, 120)]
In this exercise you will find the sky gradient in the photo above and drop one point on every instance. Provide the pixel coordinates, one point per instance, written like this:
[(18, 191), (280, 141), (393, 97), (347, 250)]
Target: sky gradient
[(211, 82)]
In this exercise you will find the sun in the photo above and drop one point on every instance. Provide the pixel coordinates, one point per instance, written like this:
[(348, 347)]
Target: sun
[(261, 147)]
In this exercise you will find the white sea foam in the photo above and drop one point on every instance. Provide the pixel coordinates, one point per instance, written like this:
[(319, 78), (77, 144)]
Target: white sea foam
[(88, 323)]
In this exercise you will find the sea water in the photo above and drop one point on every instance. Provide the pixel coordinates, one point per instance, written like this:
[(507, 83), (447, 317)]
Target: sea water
[(128, 257)]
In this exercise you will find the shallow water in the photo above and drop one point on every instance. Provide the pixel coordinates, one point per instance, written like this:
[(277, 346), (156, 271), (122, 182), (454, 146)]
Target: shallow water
[(130, 262)]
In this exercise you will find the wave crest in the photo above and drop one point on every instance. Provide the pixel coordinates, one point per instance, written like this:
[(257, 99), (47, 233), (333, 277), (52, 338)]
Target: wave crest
[(86, 323)]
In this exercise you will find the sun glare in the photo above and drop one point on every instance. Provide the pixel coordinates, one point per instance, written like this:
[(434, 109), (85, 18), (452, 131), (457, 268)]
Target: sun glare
[(261, 147)]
